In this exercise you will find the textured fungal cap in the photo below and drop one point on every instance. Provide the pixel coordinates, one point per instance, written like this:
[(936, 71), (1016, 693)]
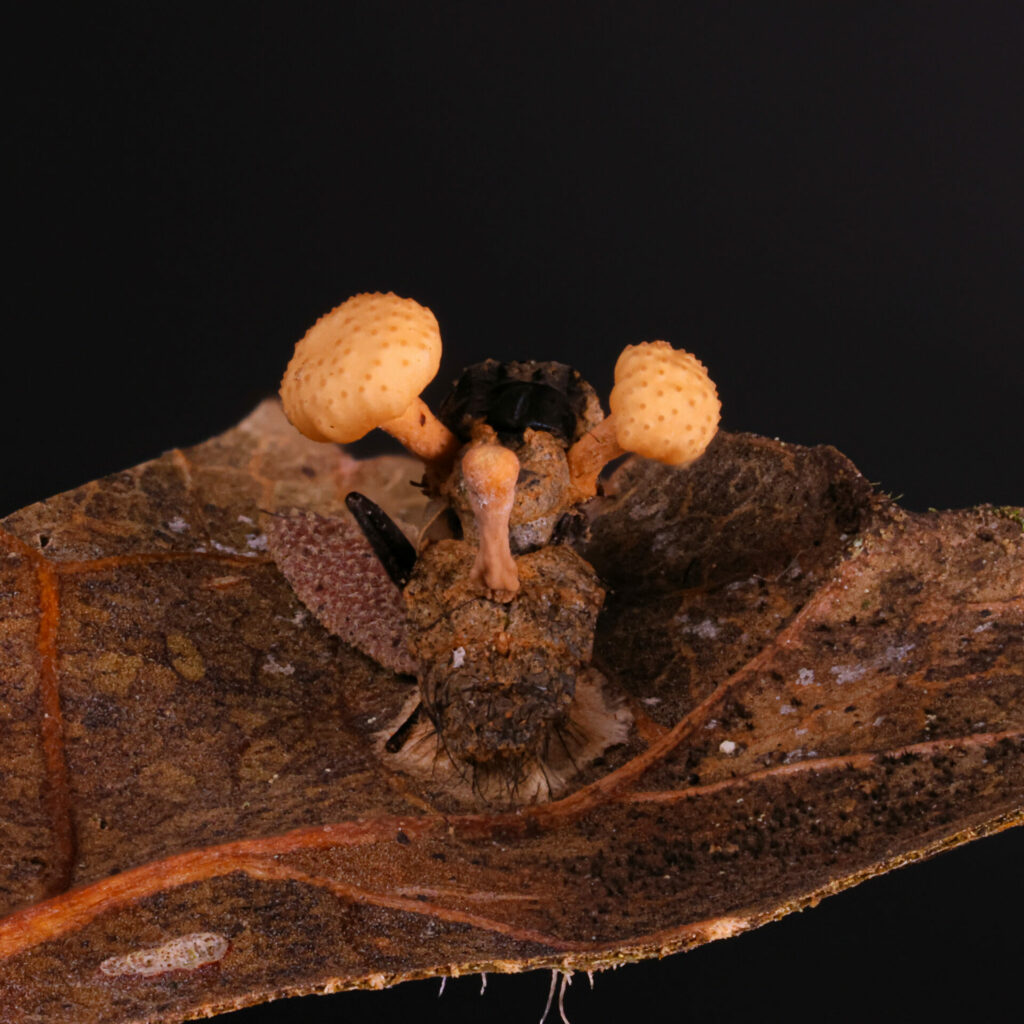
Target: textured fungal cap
[(360, 365), (664, 403)]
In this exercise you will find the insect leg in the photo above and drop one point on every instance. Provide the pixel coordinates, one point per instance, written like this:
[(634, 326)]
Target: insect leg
[(397, 739)]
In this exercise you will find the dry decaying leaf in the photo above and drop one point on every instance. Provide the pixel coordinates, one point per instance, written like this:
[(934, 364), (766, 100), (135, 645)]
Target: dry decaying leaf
[(196, 817)]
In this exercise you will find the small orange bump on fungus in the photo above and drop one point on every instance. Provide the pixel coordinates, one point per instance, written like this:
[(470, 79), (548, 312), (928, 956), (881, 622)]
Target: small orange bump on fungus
[(346, 378), (490, 473), (664, 406)]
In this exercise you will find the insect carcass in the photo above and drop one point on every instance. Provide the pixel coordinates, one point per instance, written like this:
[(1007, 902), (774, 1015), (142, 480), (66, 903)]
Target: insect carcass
[(492, 610)]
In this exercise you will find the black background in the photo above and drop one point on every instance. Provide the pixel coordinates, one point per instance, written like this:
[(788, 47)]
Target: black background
[(823, 201)]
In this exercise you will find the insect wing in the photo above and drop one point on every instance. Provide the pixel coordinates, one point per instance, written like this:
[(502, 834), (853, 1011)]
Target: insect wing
[(335, 573)]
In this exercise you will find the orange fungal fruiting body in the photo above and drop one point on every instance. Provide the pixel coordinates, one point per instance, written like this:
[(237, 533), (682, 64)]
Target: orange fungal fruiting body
[(361, 365), (664, 404)]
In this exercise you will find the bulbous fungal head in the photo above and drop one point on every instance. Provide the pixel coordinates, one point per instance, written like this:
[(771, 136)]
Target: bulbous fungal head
[(361, 365), (664, 405)]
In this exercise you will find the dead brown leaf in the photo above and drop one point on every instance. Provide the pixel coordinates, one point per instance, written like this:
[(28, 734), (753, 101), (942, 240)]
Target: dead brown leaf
[(824, 687)]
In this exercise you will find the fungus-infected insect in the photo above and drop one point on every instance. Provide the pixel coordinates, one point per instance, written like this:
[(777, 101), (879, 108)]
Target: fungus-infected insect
[(492, 610)]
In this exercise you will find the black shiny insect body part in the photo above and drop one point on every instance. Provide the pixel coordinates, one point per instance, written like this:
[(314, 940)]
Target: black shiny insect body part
[(389, 544), (514, 397)]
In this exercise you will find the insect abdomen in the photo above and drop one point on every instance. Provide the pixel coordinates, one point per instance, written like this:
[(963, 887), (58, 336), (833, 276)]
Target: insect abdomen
[(498, 678)]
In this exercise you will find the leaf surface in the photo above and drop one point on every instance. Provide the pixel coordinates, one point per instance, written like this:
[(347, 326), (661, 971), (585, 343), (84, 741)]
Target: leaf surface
[(198, 815)]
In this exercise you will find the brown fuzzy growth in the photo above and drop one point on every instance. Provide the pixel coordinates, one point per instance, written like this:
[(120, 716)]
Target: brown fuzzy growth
[(498, 678)]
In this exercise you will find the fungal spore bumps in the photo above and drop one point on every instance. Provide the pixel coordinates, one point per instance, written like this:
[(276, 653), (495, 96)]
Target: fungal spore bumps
[(664, 404), (360, 365)]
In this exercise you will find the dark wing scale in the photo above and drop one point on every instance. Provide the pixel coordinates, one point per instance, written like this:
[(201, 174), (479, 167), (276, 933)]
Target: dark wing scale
[(336, 574), (390, 545)]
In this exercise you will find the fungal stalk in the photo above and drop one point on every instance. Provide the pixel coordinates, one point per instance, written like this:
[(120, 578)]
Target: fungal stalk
[(664, 406), (490, 473)]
